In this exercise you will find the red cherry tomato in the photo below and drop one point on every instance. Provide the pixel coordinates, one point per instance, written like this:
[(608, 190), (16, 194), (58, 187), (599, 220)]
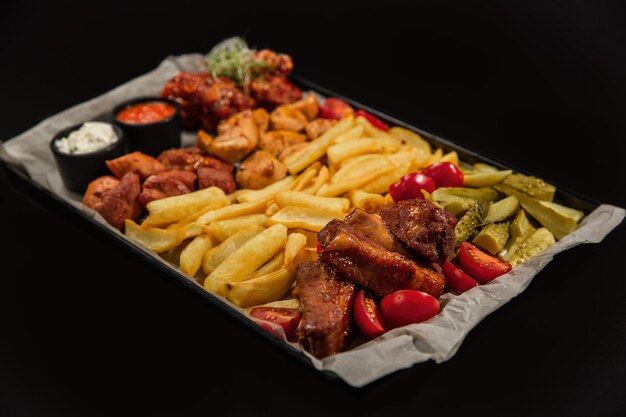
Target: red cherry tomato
[(375, 121), (479, 265), (445, 174), (457, 280), (288, 318), (367, 315), (408, 306), (411, 186), (335, 108)]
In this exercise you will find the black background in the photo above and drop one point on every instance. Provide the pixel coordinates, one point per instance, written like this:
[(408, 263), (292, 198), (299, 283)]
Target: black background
[(88, 329)]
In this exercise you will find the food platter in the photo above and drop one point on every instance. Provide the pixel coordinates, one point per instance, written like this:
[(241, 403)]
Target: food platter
[(604, 220)]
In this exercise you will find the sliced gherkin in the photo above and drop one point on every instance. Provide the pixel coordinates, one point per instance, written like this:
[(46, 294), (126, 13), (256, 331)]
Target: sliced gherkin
[(502, 210), (533, 186), (536, 243), (492, 237), (470, 222)]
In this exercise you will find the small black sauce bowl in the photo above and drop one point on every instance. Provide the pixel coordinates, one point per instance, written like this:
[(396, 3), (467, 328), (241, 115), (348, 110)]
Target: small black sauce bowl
[(150, 138), (78, 170)]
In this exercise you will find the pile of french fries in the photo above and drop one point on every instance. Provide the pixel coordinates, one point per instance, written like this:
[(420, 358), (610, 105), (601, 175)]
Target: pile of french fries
[(245, 246)]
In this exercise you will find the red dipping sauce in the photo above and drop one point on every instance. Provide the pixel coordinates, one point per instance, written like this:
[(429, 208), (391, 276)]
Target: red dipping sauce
[(148, 112)]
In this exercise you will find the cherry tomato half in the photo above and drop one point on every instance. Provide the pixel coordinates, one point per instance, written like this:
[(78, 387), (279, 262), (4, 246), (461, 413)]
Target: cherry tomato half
[(411, 186), (287, 318), (457, 280), (375, 121), (408, 306), (479, 265), (335, 108), (445, 174), (368, 316)]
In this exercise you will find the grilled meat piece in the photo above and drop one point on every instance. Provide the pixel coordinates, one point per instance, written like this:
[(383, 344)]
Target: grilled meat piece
[(117, 203), (327, 304), (210, 177), (423, 227), (280, 64), (316, 128), (167, 184), (190, 159), (276, 141), (274, 90), (308, 105), (236, 138), (367, 263), (371, 226), (287, 118), (260, 170), (136, 162)]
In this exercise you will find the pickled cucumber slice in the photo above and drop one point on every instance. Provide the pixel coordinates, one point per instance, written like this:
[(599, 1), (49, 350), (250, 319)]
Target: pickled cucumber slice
[(470, 222), (534, 187), (482, 194), (539, 241), (458, 205), (559, 225), (520, 226), (492, 237), (573, 214), (502, 210), (485, 179), (510, 248)]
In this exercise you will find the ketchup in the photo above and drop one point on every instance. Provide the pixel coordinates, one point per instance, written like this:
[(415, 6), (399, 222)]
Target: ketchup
[(148, 112)]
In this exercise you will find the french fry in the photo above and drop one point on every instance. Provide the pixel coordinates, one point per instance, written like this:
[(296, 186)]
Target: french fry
[(308, 218), (317, 148), (344, 150), (369, 129), (295, 242), (292, 303), (305, 177), (434, 157), (411, 138), (223, 229), (358, 166), (172, 209), (247, 259), (270, 266), (452, 157), (322, 177), (155, 239), (250, 196), (191, 230), (354, 133), (292, 198), (366, 201), (265, 289), (215, 256), (271, 209), (381, 184), (234, 210), (191, 256), (343, 187)]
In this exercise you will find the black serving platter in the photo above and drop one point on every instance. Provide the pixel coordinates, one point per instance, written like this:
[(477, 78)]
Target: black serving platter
[(22, 182)]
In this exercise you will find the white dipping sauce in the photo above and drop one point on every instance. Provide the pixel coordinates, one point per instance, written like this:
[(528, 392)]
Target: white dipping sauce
[(91, 137)]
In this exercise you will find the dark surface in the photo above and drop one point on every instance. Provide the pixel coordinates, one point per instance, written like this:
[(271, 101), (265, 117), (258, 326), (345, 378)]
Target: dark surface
[(88, 329)]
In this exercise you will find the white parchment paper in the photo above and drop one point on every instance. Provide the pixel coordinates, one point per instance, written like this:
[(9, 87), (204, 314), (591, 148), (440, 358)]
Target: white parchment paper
[(438, 338)]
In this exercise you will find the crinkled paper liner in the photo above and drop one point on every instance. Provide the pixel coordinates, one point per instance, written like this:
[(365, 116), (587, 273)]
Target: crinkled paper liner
[(438, 338)]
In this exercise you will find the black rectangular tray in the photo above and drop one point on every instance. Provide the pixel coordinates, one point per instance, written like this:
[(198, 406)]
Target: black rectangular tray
[(23, 183)]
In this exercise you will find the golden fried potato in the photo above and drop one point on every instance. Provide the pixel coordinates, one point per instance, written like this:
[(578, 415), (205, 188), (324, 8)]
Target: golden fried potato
[(308, 218), (191, 256), (339, 188), (381, 184), (271, 209), (223, 229), (295, 242), (303, 179), (215, 256), (247, 259), (155, 239), (367, 201), (411, 138), (265, 289), (360, 165), (339, 152), (235, 210), (300, 199), (272, 265), (322, 177), (354, 133), (172, 209), (292, 303), (250, 196)]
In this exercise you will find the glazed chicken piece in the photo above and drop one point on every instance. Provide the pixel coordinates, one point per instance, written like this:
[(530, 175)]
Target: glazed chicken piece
[(190, 159), (327, 304), (288, 118), (279, 64), (273, 91), (260, 170), (291, 149), (316, 128), (167, 184), (211, 177), (368, 264), (116, 203), (204, 99), (276, 141), (372, 227), (262, 119), (424, 228), (237, 137), (136, 162), (308, 105)]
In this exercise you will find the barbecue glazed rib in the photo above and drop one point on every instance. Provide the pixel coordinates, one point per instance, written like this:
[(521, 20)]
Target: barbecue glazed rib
[(371, 226), (423, 227), (367, 263), (327, 305)]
